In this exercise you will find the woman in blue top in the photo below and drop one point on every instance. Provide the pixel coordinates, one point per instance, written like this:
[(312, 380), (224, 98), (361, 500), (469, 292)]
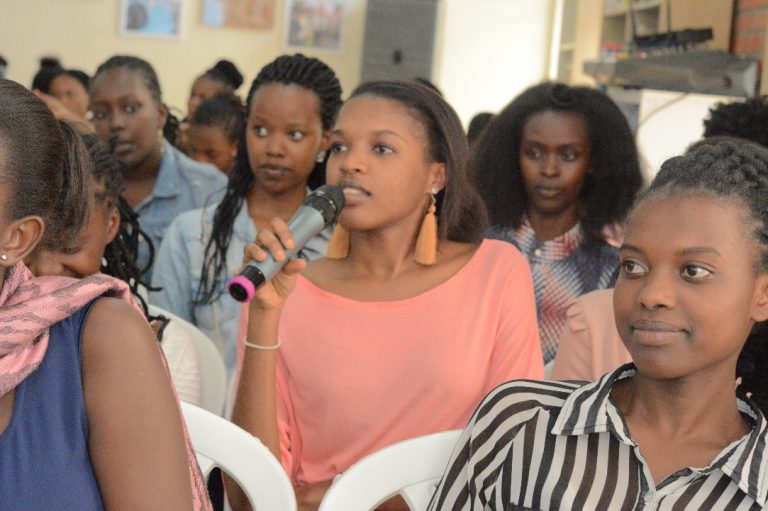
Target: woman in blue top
[(291, 107), (160, 181), (556, 167), (88, 418)]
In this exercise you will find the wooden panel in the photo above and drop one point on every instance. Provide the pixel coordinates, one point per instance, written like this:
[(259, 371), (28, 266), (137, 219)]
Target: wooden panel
[(404, 53)]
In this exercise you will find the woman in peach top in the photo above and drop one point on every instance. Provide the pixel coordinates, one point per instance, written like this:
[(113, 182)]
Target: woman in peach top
[(405, 325)]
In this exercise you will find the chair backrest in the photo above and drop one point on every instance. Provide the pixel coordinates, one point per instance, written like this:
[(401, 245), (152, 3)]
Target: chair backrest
[(214, 372), (411, 468), (219, 443)]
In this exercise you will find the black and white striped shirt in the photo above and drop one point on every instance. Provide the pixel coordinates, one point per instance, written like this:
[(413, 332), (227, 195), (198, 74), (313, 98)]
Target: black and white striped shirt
[(537, 445)]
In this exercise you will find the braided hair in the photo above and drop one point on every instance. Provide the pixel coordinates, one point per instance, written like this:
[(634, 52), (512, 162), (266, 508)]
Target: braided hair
[(307, 72), (737, 172), (151, 82), (121, 254)]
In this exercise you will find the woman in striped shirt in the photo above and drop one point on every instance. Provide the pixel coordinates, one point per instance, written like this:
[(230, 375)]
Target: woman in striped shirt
[(669, 431)]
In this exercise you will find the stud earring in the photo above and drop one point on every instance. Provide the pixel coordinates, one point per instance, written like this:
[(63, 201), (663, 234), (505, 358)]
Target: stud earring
[(3, 257), (320, 157)]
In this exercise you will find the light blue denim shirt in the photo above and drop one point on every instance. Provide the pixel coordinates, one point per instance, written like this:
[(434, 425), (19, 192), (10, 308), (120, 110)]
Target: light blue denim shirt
[(179, 263), (182, 184)]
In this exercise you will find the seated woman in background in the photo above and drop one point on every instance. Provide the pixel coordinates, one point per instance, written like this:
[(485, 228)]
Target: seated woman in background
[(160, 181), (107, 434), (109, 243), (71, 88), (292, 104), (222, 79), (672, 430), (66, 94), (409, 320), (555, 167), (214, 131)]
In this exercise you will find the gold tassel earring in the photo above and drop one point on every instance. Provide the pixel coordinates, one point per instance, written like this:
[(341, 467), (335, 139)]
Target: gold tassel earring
[(426, 243), (338, 245)]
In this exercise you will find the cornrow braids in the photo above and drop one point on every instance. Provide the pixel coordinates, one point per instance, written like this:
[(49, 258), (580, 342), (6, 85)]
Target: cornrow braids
[(737, 172), (225, 111), (310, 73), (151, 82)]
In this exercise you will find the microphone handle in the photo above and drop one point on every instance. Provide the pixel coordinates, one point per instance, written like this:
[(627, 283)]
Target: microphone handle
[(305, 225)]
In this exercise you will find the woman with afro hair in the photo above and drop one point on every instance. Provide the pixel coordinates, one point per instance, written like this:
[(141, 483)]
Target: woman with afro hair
[(557, 167)]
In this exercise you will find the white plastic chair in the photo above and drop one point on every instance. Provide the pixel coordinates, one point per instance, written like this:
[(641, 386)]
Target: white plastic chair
[(214, 372), (411, 468), (219, 443)]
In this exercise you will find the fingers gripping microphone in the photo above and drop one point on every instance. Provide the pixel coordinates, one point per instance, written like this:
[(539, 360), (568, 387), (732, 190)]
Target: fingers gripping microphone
[(317, 212)]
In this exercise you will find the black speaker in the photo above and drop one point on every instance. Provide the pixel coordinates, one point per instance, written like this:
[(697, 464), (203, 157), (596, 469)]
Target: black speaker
[(399, 39)]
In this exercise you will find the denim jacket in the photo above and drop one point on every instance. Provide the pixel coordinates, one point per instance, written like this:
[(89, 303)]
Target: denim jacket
[(182, 184), (179, 265)]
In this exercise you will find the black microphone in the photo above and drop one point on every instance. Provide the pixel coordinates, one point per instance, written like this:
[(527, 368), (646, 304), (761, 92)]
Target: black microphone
[(317, 212)]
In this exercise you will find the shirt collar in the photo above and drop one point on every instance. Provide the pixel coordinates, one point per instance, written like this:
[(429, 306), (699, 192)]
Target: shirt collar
[(167, 184), (557, 248), (589, 410)]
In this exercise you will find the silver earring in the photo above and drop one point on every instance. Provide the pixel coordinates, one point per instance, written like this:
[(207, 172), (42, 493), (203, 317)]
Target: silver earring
[(320, 157), (4, 257)]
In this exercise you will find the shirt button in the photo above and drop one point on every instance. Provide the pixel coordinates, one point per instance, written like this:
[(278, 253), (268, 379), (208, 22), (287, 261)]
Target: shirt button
[(537, 252)]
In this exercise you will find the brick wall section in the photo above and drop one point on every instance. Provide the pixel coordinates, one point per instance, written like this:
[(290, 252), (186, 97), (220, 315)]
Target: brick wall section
[(750, 19)]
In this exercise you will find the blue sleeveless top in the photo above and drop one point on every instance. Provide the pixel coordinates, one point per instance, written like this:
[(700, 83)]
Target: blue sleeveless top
[(44, 462)]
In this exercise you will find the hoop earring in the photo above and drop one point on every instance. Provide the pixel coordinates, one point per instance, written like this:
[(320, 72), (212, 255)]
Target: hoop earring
[(426, 242), (338, 245)]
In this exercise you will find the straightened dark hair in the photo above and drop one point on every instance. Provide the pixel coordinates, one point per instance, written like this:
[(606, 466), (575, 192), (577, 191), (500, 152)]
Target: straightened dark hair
[(461, 213)]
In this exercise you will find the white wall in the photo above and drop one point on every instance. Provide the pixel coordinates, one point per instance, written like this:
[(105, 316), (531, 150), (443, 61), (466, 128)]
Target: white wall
[(84, 33), (488, 51)]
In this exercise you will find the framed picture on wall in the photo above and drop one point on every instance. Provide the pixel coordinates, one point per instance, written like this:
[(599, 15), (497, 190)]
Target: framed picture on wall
[(151, 18), (315, 24), (248, 14)]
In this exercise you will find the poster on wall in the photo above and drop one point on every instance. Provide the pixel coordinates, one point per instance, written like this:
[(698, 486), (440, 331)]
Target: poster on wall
[(151, 18), (249, 14), (315, 24)]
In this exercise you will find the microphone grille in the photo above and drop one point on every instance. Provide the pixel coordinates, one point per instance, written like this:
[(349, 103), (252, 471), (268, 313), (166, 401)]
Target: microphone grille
[(328, 200)]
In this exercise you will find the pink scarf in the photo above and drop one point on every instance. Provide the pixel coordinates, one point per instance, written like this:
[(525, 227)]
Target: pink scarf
[(30, 306)]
